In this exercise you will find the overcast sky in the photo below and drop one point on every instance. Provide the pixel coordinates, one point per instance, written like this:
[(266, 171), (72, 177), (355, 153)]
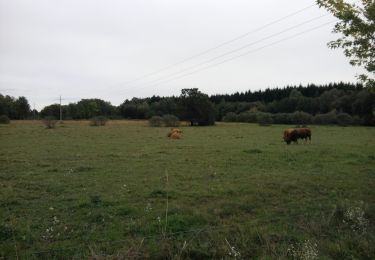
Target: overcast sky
[(108, 49)]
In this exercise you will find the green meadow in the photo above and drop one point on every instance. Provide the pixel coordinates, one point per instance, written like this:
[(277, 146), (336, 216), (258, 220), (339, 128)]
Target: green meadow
[(233, 190)]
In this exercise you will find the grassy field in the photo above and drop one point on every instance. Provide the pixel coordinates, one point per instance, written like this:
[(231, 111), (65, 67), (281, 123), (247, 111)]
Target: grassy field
[(227, 191)]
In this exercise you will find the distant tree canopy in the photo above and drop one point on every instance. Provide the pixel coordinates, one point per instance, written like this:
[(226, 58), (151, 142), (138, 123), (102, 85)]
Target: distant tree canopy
[(14, 108), (135, 109), (84, 109), (333, 103)]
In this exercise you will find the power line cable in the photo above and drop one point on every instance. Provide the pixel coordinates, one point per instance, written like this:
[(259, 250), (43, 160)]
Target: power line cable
[(251, 51), (238, 56), (240, 48), (219, 45)]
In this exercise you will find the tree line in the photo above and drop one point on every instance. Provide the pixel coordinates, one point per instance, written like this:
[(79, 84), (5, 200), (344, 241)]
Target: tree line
[(15, 108), (330, 104)]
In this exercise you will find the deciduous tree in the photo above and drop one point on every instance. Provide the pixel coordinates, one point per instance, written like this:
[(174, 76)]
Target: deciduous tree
[(357, 26), (196, 107)]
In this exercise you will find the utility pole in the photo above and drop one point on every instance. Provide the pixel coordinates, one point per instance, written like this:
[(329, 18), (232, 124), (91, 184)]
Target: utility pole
[(34, 111), (60, 111)]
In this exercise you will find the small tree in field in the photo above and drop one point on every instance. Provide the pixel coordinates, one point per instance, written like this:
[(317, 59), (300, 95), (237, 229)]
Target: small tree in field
[(171, 121), (98, 121), (247, 117), (264, 119), (155, 121), (196, 107), (325, 119), (344, 119), (4, 119), (301, 118), (50, 122), (230, 117)]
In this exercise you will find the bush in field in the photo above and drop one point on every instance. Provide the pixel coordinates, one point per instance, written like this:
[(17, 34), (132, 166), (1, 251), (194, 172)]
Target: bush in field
[(282, 118), (247, 117), (230, 117), (264, 119), (368, 120), (301, 118), (344, 119), (156, 121), (171, 120), (325, 119), (356, 120), (4, 119), (98, 121), (49, 122)]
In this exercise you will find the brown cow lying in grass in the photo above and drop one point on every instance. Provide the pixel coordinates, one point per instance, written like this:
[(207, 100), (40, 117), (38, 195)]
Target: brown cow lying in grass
[(293, 134), (175, 133)]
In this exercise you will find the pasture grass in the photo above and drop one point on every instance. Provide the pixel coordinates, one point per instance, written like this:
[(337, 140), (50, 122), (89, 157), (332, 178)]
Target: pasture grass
[(233, 191)]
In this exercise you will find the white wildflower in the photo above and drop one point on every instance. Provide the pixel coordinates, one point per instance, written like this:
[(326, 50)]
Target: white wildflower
[(354, 217), (306, 251), (55, 220), (148, 207), (232, 251)]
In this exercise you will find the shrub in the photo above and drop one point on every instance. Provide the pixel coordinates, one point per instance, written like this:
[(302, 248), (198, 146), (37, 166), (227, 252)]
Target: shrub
[(301, 118), (50, 122), (171, 120), (356, 120), (247, 117), (368, 120), (282, 118), (155, 121), (344, 119), (230, 117), (98, 121), (4, 119), (6, 232), (264, 119), (325, 119)]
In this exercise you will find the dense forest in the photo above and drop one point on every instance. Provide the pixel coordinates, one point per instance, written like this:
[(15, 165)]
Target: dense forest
[(337, 103)]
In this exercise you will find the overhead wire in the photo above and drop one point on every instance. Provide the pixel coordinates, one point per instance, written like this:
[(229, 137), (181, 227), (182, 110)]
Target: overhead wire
[(218, 46), (248, 52), (181, 73), (242, 47)]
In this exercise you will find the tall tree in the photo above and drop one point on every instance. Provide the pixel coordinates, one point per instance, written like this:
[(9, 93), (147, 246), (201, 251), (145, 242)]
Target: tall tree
[(88, 108), (196, 107), (7, 106), (357, 26), (22, 108)]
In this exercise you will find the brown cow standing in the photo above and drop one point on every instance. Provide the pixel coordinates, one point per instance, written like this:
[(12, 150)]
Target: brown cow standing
[(290, 135), (293, 134), (304, 133)]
